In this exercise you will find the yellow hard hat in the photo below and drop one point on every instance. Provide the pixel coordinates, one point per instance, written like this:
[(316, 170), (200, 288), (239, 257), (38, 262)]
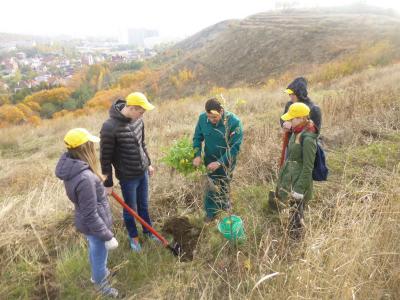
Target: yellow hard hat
[(289, 92), (139, 99), (296, 110), (78, 136)]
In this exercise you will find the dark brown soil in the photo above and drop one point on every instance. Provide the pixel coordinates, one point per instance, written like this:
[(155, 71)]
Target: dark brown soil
[(184, 233), (55, 236), (47, 286)]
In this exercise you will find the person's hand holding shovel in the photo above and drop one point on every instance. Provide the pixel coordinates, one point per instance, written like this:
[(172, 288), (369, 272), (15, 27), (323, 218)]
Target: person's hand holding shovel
[(109, 190)]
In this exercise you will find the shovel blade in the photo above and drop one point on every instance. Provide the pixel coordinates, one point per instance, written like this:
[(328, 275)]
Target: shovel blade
[(176, 249), (272, 201)]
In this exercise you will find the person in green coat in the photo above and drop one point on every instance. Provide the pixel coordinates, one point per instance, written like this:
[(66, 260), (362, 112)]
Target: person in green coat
[(295, 184), (218, 136)]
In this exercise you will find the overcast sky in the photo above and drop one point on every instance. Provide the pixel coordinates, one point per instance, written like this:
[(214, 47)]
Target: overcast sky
[(172, 18)]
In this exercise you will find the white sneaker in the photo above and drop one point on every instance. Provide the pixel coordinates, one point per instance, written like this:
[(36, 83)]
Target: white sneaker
[(109, 292)]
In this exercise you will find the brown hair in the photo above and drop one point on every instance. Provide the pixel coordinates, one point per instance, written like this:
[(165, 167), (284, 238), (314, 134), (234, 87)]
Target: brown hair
[(213, 104), (87, 153)]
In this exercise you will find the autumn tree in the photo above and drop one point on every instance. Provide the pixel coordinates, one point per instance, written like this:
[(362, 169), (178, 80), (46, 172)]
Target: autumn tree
[(4, 99), (98, 76), (49, 101), (11, 114), (104, 99), (181, 78)]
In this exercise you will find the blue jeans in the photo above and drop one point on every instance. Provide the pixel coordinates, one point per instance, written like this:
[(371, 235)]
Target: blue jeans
[(98, 258), (136, 194)]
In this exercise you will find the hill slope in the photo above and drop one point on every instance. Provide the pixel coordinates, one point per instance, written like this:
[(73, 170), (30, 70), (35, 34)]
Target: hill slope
[(352, 242), (265, 45)]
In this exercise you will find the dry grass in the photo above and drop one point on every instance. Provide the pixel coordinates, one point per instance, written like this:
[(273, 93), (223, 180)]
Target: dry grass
[(350, 250)]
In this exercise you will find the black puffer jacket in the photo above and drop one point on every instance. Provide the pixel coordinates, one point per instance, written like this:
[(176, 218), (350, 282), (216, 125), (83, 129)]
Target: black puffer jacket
[(122, 145), (299, 88)]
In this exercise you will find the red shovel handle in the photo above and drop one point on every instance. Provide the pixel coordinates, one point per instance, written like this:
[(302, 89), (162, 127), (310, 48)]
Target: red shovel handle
[(137, 217), (285, 142)]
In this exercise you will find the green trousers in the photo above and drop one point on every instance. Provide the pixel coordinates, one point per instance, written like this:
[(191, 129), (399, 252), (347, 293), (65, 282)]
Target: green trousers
[(217, 193)]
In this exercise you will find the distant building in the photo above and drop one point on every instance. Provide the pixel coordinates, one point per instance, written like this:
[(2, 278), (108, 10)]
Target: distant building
[(33, 83), (65, 63), (20, 55), (24, 84), (55, 81), (42, 78), (137, 37), (149, 52), (118, 58), (99, 59), (9, 66), (87, 59), (36, 63), (4, 86)]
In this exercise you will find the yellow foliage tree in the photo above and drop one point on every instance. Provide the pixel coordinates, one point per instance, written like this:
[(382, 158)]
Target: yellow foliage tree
[(11, 114), (4, 99), (61, 113), (378, 54), (217, 90), (34, 120), (77, 79), (103, 99), (135, 80), (80, 112), (95, 75), (181, 78), (33, 106), (175, 81), (57, 95), (185, 75), (26, 110)]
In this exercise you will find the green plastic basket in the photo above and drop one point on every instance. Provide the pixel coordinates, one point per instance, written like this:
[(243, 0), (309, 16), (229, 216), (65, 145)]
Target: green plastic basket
[(232, 228)]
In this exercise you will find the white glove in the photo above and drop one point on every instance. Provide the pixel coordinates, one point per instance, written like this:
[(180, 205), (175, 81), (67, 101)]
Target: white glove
[(297, 196), (111, 244)]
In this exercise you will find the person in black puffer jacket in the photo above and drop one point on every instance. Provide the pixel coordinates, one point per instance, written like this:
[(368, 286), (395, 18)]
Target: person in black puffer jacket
[(122, 146), (297, 91)]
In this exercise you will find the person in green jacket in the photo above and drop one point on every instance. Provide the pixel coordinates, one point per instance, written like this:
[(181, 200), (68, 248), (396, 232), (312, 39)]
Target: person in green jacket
[(221, 132), (295, 183)]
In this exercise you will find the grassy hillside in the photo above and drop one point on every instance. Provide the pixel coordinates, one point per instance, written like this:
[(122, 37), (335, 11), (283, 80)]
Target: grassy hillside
[(352, 243), (267, 45), (264, 50)]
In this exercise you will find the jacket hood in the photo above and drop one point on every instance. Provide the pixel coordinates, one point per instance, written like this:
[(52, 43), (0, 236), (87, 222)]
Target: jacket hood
[(67, 167), (115, 111), (299, 88)]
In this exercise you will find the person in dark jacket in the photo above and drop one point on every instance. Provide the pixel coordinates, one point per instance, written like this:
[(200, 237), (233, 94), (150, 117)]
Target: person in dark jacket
[(122, 146), (78, 168), (222, 134), (297, 91)]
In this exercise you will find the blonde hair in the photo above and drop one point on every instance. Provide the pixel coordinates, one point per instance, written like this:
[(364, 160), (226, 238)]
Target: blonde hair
[(87, 153)]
